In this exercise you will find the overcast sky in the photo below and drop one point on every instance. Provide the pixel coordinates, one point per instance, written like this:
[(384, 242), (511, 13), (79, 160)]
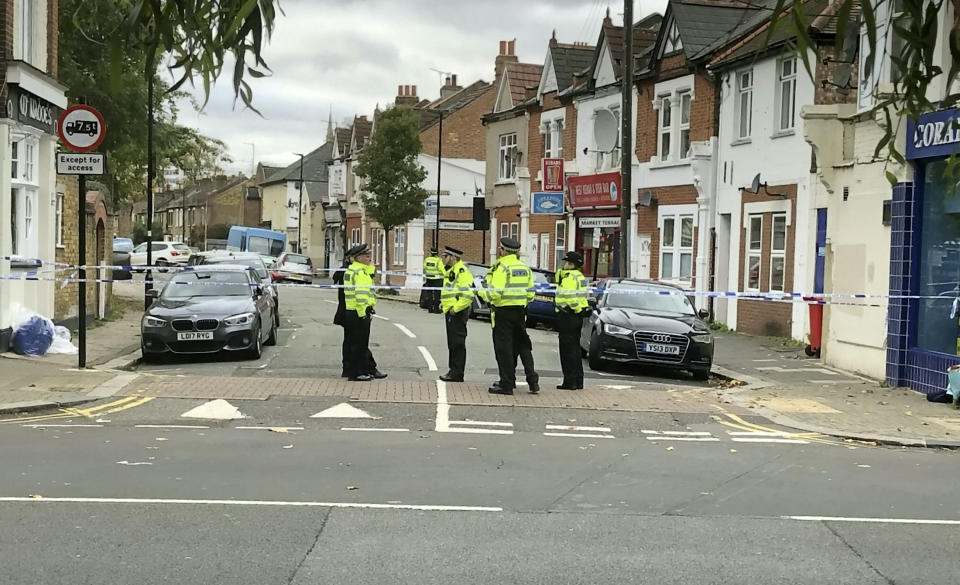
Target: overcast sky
[(350, 55)]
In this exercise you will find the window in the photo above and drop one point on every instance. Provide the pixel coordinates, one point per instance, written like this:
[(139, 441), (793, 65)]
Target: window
[(59, 220), (508, 157), (788, 94), (897, 43), (354, 236), (504, 230), (685, 98), (552, 131), (558, 140), (676, 249), (543, 259), (376, 240), (666, 125), (14, 220), (399, 245), (615, 158), (547, 132), (560, 244), (25, 44), (754, 248), (515, 231), (14, 159), (778, 252), (744, 104), (29, 162)]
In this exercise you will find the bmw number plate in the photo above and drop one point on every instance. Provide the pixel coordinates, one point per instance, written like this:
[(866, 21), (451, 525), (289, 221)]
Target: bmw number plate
[(194, 335), (543, 298), (661, 348)]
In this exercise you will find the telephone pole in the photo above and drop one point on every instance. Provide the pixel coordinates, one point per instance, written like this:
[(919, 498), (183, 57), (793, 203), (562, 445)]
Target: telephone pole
[(626, 142)]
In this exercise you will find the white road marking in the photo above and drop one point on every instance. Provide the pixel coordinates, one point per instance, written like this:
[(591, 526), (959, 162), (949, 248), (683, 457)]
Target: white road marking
[(405, 330), (757, 434), (171, 427), (380, 317), (443, 408), (39, 426), (678, 433), (431, 364), (479, 431), (790, 370), (277, 503), (580, 435), (274, 429), (215, 410), (343, 410), (666, 438), (769, 440), (481, 423), (874, 520), (331, 302), (375, 430), (134, 463), (767, 360), (575, 428)]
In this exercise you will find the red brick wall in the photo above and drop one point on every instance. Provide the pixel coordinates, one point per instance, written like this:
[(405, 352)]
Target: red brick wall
[(767, 317), (570, 134), (647, 222), (464, 135), (703, 115), (53, 36)]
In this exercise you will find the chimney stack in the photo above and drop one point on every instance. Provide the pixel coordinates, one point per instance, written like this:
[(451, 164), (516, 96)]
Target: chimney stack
[(450, 87), (406, 95), (506, 56)]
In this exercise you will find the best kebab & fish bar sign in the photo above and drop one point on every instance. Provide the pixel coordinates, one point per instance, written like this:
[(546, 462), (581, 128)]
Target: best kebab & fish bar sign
[(601, 190)]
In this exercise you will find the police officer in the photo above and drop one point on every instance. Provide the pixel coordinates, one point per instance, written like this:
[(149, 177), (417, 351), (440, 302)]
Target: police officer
[(339, 319), (508, 290), (456, 302), (360, 301), (433, 274), (571, 304)]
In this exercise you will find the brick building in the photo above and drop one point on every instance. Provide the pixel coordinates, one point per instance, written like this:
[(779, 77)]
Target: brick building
[(30, 103), (99, 252)]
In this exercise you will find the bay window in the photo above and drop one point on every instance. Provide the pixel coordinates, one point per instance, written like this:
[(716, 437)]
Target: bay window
[(754, 252), (676, 247)]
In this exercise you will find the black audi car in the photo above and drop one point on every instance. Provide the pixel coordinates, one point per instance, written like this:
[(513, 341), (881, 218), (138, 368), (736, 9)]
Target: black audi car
[(209, 309), (647, 323)]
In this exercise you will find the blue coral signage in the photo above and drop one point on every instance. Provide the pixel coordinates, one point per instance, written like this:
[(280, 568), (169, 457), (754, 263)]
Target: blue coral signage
[(548, 203), (934, 135)]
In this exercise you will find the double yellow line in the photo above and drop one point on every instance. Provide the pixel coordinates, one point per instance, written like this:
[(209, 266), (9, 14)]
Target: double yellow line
[(738, 423), (92, 412)]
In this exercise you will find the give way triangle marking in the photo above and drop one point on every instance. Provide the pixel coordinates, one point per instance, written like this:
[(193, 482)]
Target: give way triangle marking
[(343, 410), (215, 410)]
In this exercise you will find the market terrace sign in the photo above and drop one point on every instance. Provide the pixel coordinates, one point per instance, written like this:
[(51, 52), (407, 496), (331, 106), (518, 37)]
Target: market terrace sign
[(601, 190), (934, 135)]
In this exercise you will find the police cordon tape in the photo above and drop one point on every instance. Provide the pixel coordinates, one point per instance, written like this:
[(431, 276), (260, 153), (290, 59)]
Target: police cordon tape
[(786, 297)]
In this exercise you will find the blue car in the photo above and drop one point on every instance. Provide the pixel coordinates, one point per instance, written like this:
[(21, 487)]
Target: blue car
[(542, 309)]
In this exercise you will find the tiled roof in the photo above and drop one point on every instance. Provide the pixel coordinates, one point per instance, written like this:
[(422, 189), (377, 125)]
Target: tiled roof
[(362, 129), (642, 39), (568, 60), (460, 99), (826, 22), (707, 25), (315, 168), (343, 140), (520, 76)]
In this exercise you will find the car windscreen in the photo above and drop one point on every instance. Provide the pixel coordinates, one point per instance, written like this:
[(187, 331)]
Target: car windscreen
[(123, 246), (181, 247), (207, 284), (296, 259), (255, 263), (648, 298)]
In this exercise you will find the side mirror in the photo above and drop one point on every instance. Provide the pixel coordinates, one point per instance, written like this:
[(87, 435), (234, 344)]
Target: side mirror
[(703, 313), (257, 291)]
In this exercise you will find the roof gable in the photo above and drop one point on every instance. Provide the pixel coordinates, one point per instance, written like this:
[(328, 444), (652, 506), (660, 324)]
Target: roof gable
[(604, 73), (504, 99), (548, 77)]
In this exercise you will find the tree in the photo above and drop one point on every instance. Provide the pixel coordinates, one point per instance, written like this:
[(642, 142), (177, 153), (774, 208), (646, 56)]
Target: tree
[(120, 93), (914, 60), (139, 233), (391, 172)]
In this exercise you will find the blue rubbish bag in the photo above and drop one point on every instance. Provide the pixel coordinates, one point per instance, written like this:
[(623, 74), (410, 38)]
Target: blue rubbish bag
[(33, 337)]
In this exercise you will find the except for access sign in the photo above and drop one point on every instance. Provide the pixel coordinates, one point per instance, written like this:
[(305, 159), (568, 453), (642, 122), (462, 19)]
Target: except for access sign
[(81, 128), (71, 163)]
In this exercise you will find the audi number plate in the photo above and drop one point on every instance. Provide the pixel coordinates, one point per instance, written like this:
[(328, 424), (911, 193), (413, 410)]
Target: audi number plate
[(661, 348), (195, 336)]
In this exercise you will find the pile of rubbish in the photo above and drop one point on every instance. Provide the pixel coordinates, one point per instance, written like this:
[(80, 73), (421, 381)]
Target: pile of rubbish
[(36, 335)]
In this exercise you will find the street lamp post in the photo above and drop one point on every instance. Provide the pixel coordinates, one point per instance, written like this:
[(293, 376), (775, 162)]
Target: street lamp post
[(148, 278), (300, 208), (253, 158), (436, 229), (626, 143)]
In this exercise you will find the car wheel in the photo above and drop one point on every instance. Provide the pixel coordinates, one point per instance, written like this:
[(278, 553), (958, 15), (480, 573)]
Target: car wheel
[(272, 339), (701, 374), (256, 350), (593, 356), (162, 262)]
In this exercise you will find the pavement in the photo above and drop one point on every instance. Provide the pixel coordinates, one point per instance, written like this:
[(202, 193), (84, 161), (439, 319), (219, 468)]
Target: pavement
[(757, 376)]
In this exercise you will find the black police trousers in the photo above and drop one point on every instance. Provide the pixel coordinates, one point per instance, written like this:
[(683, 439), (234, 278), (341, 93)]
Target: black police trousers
[(571, 360), (510, 340), (357, 357), (457, 342)]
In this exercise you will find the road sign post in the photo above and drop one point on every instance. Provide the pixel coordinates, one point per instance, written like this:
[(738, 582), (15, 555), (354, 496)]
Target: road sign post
[(81, 129)]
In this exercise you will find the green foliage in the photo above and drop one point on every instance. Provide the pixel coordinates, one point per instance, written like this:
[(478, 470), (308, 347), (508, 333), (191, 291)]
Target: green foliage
[(199, 37), (119, 91), (912, 62), (391, 172), (139, 233), (218, 231)]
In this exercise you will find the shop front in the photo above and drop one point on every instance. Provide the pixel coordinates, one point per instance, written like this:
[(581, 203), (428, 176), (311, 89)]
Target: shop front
[(923, 328), (595, 200)]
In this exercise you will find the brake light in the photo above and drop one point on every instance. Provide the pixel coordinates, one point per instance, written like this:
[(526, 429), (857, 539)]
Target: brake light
[(174, 253), (277, 276)]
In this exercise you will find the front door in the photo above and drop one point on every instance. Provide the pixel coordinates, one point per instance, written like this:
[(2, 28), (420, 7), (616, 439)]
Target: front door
[(643, 256)]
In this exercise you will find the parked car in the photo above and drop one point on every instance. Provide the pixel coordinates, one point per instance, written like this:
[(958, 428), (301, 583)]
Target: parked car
[(293, 267), (207, 310), (164, 254), (647, 323), (251, 260), (479, 271), (542, 309), (122, 247)]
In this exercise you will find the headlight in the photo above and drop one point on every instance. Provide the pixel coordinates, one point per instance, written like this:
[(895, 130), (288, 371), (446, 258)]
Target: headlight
[(615, 330), (701, 337), (243, 319), (149, 321)]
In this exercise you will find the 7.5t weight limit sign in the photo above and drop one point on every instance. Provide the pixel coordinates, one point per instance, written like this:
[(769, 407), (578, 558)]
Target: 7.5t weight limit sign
[(81, 128)]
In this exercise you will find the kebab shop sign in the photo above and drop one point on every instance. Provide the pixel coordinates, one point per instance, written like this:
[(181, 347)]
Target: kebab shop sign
[(600, 190)]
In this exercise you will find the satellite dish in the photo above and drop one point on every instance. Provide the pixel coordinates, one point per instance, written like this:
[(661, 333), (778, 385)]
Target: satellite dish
[(755, 186), (605, 131)]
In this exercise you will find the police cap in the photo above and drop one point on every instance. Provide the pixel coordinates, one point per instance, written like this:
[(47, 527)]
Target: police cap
[(451, 251), (510, 244), (574, 257)]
